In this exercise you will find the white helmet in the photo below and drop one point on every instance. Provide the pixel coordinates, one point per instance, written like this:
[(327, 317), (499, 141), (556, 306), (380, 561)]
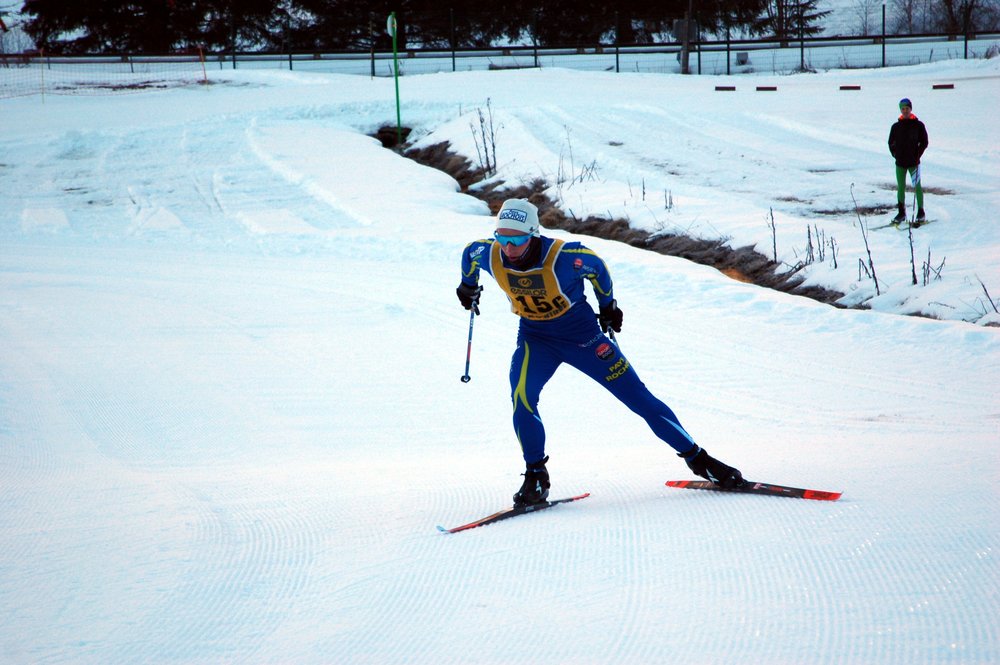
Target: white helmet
[(518, 215)]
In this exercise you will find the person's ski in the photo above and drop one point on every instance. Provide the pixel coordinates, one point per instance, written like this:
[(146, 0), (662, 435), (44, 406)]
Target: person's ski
[(886, 226), (903, 225), (513, 511), (750, 487)]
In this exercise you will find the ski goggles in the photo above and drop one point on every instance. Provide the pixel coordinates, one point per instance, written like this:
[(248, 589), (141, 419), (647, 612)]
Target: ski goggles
[(517, 241)]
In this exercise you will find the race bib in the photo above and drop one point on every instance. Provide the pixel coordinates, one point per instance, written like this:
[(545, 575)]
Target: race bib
[(534, 294)]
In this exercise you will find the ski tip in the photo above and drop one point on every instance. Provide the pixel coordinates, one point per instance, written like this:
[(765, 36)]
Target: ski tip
[(442, 529), (819, 495), (678, 483)]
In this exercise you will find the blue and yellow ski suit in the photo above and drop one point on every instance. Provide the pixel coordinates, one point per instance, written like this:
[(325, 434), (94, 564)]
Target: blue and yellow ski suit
[(559, 326)]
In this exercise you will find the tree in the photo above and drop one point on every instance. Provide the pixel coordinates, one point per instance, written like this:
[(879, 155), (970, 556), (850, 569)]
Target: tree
[(152, 26), (866, 12), (958, 15), (952, 16), (50, 20), (787, 19), (161, 26), (905, 16), (238, 25), (719, 15)]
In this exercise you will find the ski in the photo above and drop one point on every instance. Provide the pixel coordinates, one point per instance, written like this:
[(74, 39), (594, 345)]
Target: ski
[(904, 225), (895, 225), (513, 511), (750, 487)]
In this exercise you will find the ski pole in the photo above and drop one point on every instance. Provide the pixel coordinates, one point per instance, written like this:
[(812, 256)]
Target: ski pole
[(468, 353)]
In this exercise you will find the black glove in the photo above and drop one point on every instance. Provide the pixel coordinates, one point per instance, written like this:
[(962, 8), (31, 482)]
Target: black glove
[(468, 295), (610, 317), (709, 468)]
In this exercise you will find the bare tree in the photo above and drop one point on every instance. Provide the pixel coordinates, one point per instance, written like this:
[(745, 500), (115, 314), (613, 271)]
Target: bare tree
[(959, 16), (911, 16), (952, 16), (867, 13)]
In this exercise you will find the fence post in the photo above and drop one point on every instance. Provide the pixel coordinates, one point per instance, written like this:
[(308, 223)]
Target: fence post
[(727, 51), (883, 34), (618, 67), (802, 42), (394, 29), (371, 39), (452, 13), (534, 37), (48, 63), (204, 72)]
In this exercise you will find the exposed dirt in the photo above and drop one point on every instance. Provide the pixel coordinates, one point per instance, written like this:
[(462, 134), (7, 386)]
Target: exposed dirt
[(865, 211), (743, 264), (939, 191)]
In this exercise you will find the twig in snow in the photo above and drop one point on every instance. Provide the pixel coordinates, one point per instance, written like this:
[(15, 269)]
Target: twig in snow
[(864, 234), (993, 304), (774, 235)]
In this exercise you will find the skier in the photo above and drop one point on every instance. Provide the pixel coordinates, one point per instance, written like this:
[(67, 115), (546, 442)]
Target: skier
[(907, 142), (544, 280)]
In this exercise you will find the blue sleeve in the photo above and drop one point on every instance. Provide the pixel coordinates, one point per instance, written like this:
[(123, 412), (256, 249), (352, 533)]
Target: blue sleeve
[(591, 267), (476, 255)]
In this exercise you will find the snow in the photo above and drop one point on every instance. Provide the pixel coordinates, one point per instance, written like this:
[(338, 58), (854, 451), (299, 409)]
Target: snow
[(231, 414)]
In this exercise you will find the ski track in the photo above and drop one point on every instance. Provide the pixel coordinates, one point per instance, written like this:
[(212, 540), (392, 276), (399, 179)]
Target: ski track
[(191, 404), (661, 161), (208, 198), (251, 561)]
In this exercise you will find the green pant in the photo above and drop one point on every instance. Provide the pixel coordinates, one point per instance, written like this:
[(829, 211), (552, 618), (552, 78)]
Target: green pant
[(914, 172)]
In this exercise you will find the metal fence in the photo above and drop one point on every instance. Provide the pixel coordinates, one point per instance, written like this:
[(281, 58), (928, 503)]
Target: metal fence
[(706, 57), (38, 74)]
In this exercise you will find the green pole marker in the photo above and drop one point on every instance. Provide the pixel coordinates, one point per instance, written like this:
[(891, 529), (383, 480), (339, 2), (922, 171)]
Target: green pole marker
[(391, 28)]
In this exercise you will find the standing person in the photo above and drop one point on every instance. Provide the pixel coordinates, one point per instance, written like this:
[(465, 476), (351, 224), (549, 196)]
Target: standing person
[(544, 281), (907, 142)]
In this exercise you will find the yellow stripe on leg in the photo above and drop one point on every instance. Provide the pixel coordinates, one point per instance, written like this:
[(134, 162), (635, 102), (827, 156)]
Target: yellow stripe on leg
[(520, 392)]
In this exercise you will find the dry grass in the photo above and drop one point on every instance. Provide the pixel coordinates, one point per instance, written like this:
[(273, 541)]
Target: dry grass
[(743, 264)]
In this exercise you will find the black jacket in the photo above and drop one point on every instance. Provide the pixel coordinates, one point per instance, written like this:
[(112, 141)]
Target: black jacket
[(907, 141)]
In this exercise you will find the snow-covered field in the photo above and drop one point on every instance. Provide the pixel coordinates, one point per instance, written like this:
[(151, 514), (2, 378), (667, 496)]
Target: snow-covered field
[(231, 414)]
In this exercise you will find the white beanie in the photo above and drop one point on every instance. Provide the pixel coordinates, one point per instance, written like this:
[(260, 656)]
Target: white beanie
[(518, 215)]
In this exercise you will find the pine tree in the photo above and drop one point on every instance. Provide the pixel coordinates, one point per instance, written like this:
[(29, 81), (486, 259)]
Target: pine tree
[(152, 26), (788, 19)]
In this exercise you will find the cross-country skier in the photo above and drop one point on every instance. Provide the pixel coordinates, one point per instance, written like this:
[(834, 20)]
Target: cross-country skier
[(544, 281), (907, 142)]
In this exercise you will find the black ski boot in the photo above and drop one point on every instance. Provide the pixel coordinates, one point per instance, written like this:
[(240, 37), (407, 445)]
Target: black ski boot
[(709, 468), (901, 215), (535, 488), (921, 216)]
